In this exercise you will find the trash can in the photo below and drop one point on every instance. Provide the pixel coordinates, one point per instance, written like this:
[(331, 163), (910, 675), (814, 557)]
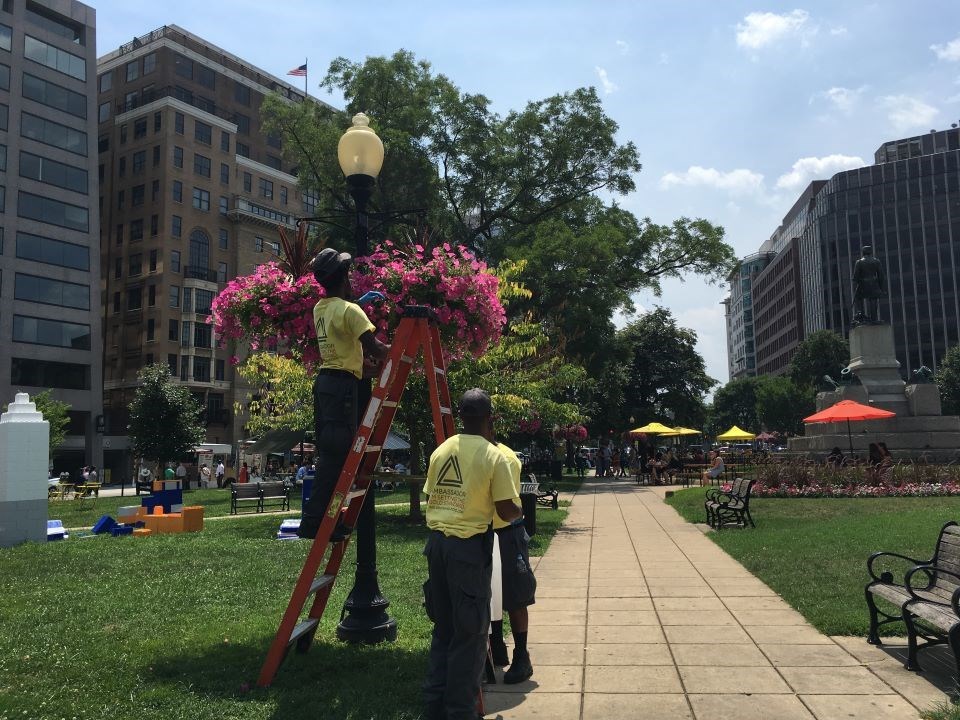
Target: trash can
[(556, 470), (528, 502)]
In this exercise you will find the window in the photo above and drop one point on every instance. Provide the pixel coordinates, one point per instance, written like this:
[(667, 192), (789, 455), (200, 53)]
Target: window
[(130, 100), (116, 303), (31, 372), (184, 367), (53, 212), (52, 172), (309, 203), (243, 123), (41, 331), (199, 250), (117, 268), (201, 199), (5, 77), (54, 23), (103, 143), (156, 156), (172, 363), (149, 63), (106, 81), (136, 197), (139, 160), (157, 121), (201, 165), (207, 77), (224, 174), (274, 141), (182, 94), (266, 188), (155, 190), (4, 116), (275, 248), (224, 141), (120, 234), (121, 196), (183, 66), (187, 300), (135, 299), (203, 300), (3, 157), (243, 149), (54, 134), (176, 226), (136, 230), (224, 205), (177, 191), (178, 157), (133, 70), (123, 134), (206, 104), (151, 330), (52, 252), (103, 112), (121, 167), (54, 58), (186, 333), (241, 93), (154, 225), (173, 331), (175, 261), (203, 132), (201, 369), (220, 371), (174, 297), (247, 182), (51, 292), (221, 273), (136, 264), (53, 95), (202, 338), (151, 295), (178, 123), (283, 195), (224, 238), (274, 162), (153, 262), (258, 244), (139, 128)]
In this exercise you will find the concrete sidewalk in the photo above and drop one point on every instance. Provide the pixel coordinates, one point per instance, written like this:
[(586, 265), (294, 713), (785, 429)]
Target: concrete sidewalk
[(639, 615)]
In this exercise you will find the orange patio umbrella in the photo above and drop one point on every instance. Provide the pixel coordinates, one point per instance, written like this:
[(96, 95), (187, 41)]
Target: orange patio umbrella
[(848, 410)]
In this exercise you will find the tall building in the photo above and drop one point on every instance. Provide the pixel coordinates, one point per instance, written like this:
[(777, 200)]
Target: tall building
[(741, 347), (193, 191), (49, 233)]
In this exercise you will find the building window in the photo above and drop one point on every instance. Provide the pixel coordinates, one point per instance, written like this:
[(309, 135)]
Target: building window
[(174, 296), (176, 226), (186, 332), (130, 101), (103, 112), (103, 142), (283, 195), (52, 172), (151, 330), (224, 141), (247, 182), (177, 191), (243, 123), (207, 77), (54, 58), (241, 93), (117, 268), (224, 238), (173, 331), (53, 95), (266, 188), (123, 134), (258, 244), (55, 333), (51, 292), (178, 157), (134, 299), (274, 162), (202, 132), (157, 121), (201, 165), (136, 264), (53, 212), (156, 156), (183, 66), (206, 104), (133, 70), (139, 160), (136, 196), (154, 225), (224, 205), (139, 128), (172, 363), (220, 372), (309, 203), (243, 149), (155, 190), (120, 234), (149, 63), (275, 248), (106, 81), (116, 303), (187, 300), (199, 250), (121, 167), (201, 369), (136, 230), (153, 261), (184, 367), (53, 252), (51, 133), (31, 372), (224, 174), (221, 273), (178, 123), (175, 261), (201, 199), (202, 336), (151, 295)]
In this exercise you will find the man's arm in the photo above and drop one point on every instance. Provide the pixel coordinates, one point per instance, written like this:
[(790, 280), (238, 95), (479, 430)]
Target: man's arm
[(507, 511), (373, 347)]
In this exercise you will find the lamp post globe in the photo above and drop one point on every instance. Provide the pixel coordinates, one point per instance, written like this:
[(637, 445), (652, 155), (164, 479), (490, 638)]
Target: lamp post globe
[(360, 154)]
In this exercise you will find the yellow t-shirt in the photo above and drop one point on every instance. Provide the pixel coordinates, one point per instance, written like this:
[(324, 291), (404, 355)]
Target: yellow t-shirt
[(467, 475), (339, 325), (515, 468)]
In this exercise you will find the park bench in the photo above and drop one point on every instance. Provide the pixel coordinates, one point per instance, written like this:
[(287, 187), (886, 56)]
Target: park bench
[(274, 493), (244, 492), (732, 505), (927, 597)]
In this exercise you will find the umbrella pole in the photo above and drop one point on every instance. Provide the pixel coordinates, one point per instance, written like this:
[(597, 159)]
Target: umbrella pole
[(849, 436)]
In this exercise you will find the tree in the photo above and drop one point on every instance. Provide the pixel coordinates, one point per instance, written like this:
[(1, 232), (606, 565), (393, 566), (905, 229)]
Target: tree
[(735, 404), (164, 418), (54, 412), (283, 396), (781, 405), (948, 378), (823, 352)]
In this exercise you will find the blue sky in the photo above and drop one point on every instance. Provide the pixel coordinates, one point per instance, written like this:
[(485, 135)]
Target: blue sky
[(734, 106)]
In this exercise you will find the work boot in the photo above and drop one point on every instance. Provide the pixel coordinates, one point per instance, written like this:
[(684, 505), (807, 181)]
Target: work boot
[(499, 651), (520, 669)]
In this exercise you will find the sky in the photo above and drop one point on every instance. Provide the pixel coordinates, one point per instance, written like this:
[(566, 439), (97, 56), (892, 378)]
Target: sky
[(735, 107)]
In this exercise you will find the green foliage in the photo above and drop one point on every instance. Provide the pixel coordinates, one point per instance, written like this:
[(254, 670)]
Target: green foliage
[(164, 418), (54, 412), (948, 378), (823, 352), (782, 405), (284, 393), (735, 404)]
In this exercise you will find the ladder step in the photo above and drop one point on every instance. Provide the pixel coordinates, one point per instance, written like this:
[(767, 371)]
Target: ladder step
[(320, 582), (373, 448), (445, 411), (390, 403), (406, 358), (440, 371), (303, 627), (359, 492)]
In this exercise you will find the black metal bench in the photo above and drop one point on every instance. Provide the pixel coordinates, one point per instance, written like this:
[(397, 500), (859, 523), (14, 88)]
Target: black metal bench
[(244, 493), (274, 493), (927, 598), (548, 497), (730, 506)]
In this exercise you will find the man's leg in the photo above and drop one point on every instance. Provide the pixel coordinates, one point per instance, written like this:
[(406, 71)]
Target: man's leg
[(440, 611)]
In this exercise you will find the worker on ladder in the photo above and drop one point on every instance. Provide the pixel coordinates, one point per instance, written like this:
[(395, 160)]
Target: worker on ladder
[(345, 335), (468, 480)]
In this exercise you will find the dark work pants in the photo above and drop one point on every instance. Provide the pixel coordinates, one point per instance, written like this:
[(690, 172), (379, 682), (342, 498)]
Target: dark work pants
[(338, 398), (457, 599)]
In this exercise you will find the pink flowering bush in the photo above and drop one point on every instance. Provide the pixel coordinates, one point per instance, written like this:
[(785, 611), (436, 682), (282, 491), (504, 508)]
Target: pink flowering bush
[(529, 425), (570, 432), (809, 480)]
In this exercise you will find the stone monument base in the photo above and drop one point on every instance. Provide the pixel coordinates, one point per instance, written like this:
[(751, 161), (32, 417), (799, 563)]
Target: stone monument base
[(22, 521)]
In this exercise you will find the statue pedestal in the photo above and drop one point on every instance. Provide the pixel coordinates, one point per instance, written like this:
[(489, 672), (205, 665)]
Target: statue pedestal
[(24, 454), (874, 361)]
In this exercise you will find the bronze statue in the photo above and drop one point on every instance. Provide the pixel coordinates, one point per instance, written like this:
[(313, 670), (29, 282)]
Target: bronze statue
[(868, 288)]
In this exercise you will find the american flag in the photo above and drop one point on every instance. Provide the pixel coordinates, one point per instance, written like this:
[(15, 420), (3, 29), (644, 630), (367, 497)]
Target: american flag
[(299, 71)]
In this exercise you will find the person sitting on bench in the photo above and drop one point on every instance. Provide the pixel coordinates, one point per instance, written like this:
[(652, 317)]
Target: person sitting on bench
[(714, 471)]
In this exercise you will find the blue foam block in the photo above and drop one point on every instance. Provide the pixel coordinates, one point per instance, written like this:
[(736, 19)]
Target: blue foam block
[(55, 530), (104, 525), (288, 530), (121, 530)]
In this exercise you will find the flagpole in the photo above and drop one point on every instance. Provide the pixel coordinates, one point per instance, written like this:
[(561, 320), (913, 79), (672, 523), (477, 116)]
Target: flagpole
[(306, 69)]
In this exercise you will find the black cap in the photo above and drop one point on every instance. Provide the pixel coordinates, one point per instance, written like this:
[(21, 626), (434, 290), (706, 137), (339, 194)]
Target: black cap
[(475, 403), (328, 262)]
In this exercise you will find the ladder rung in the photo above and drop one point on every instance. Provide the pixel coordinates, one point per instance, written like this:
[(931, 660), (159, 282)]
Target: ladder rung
[(320, 582), (359, 492), (445, 411), (373, 448), (390, 403), (303, 627), (406, 359), (439, 371)]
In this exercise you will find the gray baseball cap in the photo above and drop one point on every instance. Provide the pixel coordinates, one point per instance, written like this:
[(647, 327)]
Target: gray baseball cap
[(327, 262), (475, 403)]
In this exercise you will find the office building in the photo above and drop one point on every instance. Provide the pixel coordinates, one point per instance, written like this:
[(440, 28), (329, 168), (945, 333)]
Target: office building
[(741, 347), (193, 191), (49, 222)]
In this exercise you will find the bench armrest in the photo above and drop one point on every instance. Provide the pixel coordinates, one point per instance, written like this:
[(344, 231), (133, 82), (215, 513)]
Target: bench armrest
[(887, 577), (929, 571), (713, 492)]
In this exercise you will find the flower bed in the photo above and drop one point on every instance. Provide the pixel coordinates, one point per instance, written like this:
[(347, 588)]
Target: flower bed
[(806, 480)]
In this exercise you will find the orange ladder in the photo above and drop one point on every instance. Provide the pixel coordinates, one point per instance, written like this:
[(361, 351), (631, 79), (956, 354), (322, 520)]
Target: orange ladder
[(416, 331)]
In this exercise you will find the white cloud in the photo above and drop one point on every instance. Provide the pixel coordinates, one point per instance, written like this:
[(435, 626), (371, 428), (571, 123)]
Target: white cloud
[(949, 51), (843, 99), (813, 168), (736, 182), (760, 29), (664, 59), (608, 85), (838, 30), (908, 113), (623, 46)]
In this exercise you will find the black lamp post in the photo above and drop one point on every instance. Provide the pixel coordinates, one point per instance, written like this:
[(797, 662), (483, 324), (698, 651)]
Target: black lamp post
[(360, 153)]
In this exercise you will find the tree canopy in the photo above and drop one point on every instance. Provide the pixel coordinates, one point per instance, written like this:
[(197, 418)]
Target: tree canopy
[(164, 418), (735, 404), (823, 352), (948, 378), (782, 405)]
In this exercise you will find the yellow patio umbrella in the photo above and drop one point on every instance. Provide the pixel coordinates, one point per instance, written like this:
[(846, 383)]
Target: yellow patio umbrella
[(678, 431), (736, 433), (653, 428)]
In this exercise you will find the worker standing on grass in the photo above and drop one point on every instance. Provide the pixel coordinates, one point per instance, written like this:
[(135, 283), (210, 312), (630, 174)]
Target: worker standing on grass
[(468, 482), (345, 336)]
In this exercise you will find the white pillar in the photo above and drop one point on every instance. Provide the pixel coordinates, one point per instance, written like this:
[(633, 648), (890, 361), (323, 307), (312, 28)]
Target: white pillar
[(24, 457)]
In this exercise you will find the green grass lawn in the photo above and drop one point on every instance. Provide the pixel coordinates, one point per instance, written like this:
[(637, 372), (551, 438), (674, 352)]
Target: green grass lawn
[(177, 626), (814, 552)]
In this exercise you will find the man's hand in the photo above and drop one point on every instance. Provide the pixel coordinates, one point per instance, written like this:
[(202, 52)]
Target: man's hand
[(370, 297)]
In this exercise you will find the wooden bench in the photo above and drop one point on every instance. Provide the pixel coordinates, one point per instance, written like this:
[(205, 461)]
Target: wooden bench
[(244, 492), (731, 506), (275, 493), (927, 597)]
